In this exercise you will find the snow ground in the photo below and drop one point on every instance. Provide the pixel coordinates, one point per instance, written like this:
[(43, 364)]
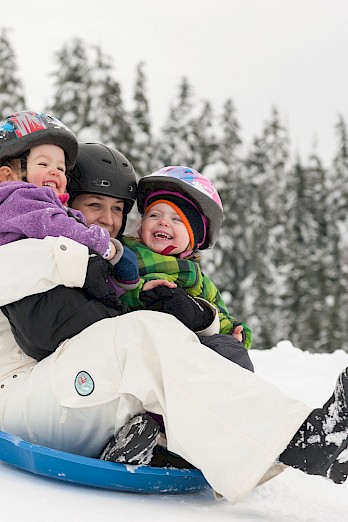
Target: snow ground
[(290, 497)]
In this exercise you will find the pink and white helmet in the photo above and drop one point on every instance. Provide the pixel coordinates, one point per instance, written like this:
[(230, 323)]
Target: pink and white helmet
[(23, 130), (191, 184)]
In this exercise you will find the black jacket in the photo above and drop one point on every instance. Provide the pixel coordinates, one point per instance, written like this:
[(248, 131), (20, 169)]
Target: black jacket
[(41, 322)]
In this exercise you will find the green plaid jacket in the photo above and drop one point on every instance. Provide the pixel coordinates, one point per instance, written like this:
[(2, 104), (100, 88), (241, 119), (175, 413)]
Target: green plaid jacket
[(186, 274)]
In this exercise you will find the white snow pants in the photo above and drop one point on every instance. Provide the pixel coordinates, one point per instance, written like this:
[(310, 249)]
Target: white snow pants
[(225, 420)]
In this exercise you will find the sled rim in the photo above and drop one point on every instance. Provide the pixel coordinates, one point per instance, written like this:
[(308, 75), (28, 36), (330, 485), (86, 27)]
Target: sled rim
[(69, 467)]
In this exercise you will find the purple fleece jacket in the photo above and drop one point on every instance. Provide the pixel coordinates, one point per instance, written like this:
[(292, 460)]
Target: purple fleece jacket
[(36, 212)]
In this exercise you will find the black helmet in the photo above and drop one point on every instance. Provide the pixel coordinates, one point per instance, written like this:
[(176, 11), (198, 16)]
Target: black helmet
[(23, 130), (102, 170)]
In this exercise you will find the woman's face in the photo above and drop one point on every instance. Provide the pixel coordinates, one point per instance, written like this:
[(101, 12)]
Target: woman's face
[(105, 211), (46, 167)]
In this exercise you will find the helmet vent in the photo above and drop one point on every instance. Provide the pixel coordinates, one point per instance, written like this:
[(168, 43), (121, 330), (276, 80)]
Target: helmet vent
[(101, 182), (106, 161), (124, 164)]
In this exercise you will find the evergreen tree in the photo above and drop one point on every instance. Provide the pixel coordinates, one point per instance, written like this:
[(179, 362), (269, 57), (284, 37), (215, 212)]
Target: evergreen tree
[(230, 140), (338, 233), (206, 142), (265, 284), (108, 121), (228, 262), (72, 83), (143, 149), (177, 139), (187, 138), (311, 289), (338, 180), (296, 285), (88, 98), (11, 88)]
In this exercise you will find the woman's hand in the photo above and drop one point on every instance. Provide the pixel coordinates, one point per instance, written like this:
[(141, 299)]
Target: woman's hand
[(196, 314)]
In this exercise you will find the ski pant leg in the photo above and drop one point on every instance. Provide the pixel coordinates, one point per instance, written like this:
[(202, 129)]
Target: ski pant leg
[(223, 419), (31, 409), (229, 347)]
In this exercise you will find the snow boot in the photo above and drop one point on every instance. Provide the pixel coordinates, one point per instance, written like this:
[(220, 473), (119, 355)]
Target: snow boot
[(163, 458), (134, 443), (320, 445)]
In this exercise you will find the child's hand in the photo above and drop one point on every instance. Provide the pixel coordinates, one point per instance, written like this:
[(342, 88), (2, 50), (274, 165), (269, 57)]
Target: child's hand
[(112, 251), (237, 333), (150, 285)]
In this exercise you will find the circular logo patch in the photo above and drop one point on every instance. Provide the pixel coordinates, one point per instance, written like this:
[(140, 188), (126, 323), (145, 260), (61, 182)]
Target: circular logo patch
[(84, 383)]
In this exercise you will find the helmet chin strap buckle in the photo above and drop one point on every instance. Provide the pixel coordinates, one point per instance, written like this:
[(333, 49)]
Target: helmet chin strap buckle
[(166, 251)]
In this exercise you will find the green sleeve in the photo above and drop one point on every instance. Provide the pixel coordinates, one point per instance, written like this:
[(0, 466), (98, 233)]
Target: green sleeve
[(227, 321), (132, 297)]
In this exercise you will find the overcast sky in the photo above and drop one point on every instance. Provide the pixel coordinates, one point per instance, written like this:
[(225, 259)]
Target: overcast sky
[(288, 53)]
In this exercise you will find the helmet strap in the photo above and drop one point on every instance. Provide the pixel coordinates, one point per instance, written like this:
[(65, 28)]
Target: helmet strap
[(123, 225), (23, 158), (166, 251), (187, 253)]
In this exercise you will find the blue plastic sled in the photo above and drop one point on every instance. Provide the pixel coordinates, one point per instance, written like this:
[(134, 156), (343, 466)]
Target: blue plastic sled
[(97, 473)]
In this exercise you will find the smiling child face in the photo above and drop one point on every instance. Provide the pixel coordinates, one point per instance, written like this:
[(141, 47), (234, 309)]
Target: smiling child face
[(163, 227)]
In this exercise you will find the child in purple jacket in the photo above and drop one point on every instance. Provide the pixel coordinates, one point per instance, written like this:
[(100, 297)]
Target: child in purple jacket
[(41, 148), (35, 151)]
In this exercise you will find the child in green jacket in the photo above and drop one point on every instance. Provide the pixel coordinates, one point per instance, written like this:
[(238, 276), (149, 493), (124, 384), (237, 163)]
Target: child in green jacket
[(181, 214)]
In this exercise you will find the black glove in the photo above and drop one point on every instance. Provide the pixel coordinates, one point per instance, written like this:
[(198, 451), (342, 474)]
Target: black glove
[(99, 283), (192, 313)]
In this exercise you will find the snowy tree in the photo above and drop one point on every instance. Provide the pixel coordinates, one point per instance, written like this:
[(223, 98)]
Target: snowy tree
[(72, 83), (228, 262), (177, 140), (143, 148), (296, 285), (267, 165), (11, 88), (338, 179), (230, 140), (338, 233), (187, 137), (108, 121), (88, 98), (206, 143), (311, 279)]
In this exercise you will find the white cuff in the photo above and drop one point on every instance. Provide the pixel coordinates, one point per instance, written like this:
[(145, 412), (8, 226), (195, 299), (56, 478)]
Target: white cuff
[(119, 251), (72, 259), (214, 327)]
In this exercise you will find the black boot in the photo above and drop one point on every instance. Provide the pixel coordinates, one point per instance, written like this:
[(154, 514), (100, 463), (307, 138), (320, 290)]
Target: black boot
[(319, 447), (134, 443), (163, 458)]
